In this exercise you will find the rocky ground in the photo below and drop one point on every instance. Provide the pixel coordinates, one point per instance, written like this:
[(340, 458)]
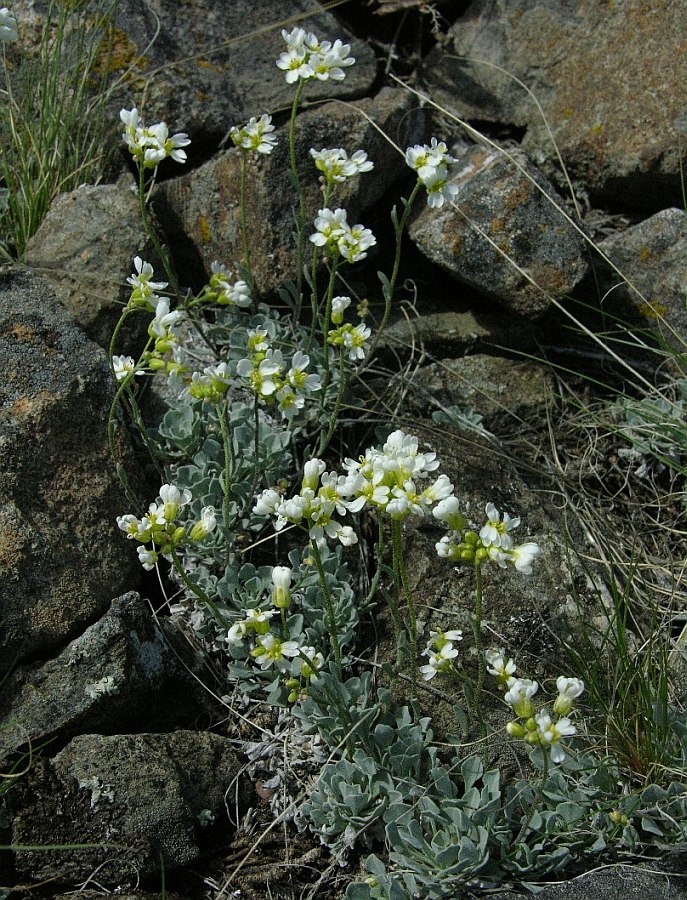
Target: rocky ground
[(122, 722)]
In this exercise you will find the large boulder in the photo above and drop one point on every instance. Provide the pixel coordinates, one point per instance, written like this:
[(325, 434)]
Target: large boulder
[(138, 802), (84, 247), (62, 558), (608, 79), (506, 235)]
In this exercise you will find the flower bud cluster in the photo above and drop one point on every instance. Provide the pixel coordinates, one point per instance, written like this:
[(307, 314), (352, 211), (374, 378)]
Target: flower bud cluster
[(307, 57), (535, 728), (149, 146), (263, 369), (431, 161), (161, 526), (440, 652), (354, 339), (339, 238), (224, 291), (493, 542)]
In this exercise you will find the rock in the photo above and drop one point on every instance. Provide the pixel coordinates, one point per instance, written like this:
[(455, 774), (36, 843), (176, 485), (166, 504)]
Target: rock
[(85, 247), (125, 672), (206, 65), (504, 202), (506, 393), (615, 120), (451, 334), (619, 882), (202, 207), (652, 256), (62, 558), (145, 800)]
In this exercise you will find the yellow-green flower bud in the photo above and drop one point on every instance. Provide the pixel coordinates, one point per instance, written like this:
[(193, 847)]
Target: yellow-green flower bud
[(515, 730)]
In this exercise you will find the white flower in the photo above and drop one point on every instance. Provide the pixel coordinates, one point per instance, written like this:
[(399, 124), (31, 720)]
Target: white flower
[(147, 558), (207, 523), (354, 243), (173, 500), (307, 57), (448, 511), (425, 159), (281, 582), (273, 652), (124, 366), (8, 26), (308, 670), (255, 135), (495, 532), (312, 471), (337, 166), (330, 225), (439, 660), (550, 733), (143, 292), (523, 556), (149, 146), (498, 665), (519, 696), (569, 689), (268, 501), (297, 376), (439, 188), (331, 64), (339, 306)]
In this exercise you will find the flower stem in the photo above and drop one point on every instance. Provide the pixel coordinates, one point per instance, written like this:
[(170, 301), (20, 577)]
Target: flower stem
[(399, 566), (334, 418), (160, 248), (325, 329), (244, 221), (477, 633), (300, 226), (226, 441), (197, 590), (331, 618)]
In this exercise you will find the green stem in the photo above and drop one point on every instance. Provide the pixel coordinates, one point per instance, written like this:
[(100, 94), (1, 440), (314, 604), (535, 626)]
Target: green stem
[(300, 226), (389, 291), (198, 591), (379, 556), (325, 329), (334, 418), (477, 632), (226, 442), (399, 566), (160, 248), (331, 618), (244, 221)]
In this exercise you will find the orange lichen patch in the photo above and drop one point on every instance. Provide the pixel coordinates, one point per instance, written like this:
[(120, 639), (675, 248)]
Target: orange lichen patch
[(30, 407), (206, 64), (644, 254), (21, 332), (118, 53), (497, 225)]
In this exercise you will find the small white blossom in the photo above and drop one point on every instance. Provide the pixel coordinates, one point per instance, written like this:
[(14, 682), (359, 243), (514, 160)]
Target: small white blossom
[(551, 732), (149, 146), (569, 689), (147, 558), (255, 135), (207, 523), (124, 366)]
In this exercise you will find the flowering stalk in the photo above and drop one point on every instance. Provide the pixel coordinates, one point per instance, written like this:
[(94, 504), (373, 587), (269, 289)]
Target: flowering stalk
[(226, 441), (325, 328), (197, 590), (160, 248), (399, 567), (244, 221), (477, 632), (334, 418), (300, 225), (331, 618)]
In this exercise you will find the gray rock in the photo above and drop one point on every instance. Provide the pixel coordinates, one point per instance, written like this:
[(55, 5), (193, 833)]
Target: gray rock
[(124, 672), (620, 882), (451, 334), (507, 393), (615, 119), (204, 65), (62, 558), (202, 207), (144, 800), (85, 247), (653, 258), (504, 221)]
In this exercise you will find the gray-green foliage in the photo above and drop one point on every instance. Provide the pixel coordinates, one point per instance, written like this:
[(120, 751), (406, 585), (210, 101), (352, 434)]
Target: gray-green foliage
[(655, 428)]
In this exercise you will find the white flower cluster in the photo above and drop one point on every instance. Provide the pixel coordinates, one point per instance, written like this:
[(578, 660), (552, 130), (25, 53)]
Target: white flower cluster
[(8, 26), (440, 651), (160, 526), (383, 479), (431, 161), (307, 57), (334, 233), (224, 291), (537, 728), (493, 542), (390, 477), (256, 135), (263, 370), (150, 145), (337, 166), (354, 339)]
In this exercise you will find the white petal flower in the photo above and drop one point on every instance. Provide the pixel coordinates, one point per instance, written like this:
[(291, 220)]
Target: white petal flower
[(124, 366), (519, 696), (523, 556), (569, 689), (495, 532), (147, 558)]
